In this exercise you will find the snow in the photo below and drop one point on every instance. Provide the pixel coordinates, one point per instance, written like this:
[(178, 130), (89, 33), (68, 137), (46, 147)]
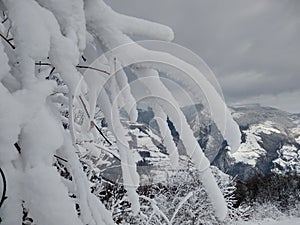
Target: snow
[(54, 31), (27, 118), (165, 132), (10, 122), (110, 25), (54, 194), (64, 56), (152, 30), (251, 150), (10, 111), (29, 41), (128, 164), (40, 138), (288, 160), (145, 141), (70, 16), (151, 79), (3, 61), (92, 210), (288, 152), (124, 92), (281, 221), (32, 44), (298, 139), (296, 131), (11, 211), (134, 54), (111, 29), (267, 127)]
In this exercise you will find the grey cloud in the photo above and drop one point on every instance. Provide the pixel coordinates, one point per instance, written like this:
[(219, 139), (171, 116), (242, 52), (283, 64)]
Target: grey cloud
[(253, 46)]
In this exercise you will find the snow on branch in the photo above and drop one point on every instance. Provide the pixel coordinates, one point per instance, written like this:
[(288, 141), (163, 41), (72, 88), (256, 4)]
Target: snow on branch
[(51, 116), (135, 56)]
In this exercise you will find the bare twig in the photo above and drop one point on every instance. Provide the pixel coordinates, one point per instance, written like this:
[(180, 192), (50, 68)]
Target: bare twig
[(180, 204), (92, 122), (62, 159), (52, 70), (11, 45), (108, 152), (84, 106), (17, 147), (108, 180), (78, 66), (5, 17), (83, 58), (98, 129), (43, 64), (93, 68), (4, 188)]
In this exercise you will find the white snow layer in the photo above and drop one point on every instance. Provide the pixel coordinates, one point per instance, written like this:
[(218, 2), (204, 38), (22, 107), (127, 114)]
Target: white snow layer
[(44, 182), (250, 150), (70, 16)]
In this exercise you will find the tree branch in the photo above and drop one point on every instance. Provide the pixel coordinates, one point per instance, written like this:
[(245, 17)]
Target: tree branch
[(17, 146), (62, 159), (11, 45), (4, 188), (84, 106), (5, 17), (78, 66), (108, 152), (93, 68), (83, 58), (98, 129), (92, 122), (43, 64)]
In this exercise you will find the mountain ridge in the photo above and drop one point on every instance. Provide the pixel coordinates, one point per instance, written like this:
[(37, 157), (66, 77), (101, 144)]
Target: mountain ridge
[(270, 139)]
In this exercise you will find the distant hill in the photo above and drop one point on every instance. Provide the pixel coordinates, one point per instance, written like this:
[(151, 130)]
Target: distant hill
[(270, 139)]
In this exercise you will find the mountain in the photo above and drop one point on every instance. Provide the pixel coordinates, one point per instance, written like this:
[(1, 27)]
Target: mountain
[(270, 139), (147, 147), (270, 143)]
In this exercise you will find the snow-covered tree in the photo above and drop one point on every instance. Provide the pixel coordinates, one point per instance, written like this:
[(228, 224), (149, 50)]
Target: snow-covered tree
[(48, 104)]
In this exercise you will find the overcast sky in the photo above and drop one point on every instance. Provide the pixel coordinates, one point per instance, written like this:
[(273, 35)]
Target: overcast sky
[(253, 46)]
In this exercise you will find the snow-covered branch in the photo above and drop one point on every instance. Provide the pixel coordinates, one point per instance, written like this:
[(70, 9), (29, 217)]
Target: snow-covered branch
[(48, 102)]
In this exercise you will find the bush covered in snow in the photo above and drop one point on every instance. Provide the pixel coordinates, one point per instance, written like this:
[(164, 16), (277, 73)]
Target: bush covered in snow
[(273, 196), (180, 199)]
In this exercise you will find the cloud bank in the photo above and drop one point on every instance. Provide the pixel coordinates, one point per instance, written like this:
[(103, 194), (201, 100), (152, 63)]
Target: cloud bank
[(252, 46)]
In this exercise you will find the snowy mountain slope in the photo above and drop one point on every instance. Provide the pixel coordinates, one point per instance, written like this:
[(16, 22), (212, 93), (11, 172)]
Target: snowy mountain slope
[(270, 139), (270, 143), (147, 147), (205, 130), (153, 163)]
